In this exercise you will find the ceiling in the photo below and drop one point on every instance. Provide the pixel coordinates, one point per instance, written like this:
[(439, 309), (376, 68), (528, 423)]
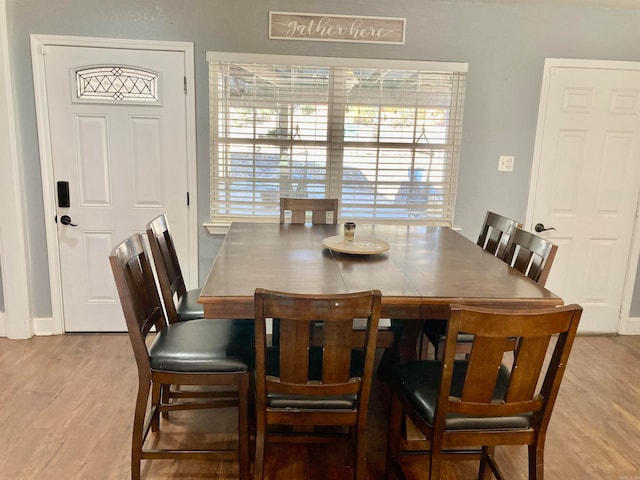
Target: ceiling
[(629, 4)]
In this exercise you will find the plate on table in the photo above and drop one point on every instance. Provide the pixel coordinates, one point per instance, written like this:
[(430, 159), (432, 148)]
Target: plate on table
[(359, 246)]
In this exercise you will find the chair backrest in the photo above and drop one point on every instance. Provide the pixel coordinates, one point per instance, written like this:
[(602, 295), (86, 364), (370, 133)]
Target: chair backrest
[(319, 208), (496, 232), (297, 370), (138, 294), (167, 265), (521, 392), (531, 255)]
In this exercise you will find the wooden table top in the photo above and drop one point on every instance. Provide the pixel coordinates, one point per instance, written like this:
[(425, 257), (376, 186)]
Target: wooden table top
[(425, 270)]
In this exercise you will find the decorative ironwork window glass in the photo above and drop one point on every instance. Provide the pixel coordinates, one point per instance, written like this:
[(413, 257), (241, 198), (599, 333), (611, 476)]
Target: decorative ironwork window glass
[(116, 84)]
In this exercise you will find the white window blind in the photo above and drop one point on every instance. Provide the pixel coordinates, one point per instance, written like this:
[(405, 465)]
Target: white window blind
[(381, 136)]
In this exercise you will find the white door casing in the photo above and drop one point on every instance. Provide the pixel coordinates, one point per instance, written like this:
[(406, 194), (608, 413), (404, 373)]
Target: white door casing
[(15, 311), (586, 181), (126, 161)]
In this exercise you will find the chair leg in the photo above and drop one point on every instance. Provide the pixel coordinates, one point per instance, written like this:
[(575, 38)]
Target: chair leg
[(361, 453), (261, 427), (137, 437), (435, 459), (156, 394), (393, 438), (244, 441), (421, 346), (252, 421), (165, 397), (485, 463), (536, 461), (488, 465), (438, 352)]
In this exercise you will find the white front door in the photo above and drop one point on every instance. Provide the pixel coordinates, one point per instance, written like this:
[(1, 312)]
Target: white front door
[(586, 181), (117, 121)]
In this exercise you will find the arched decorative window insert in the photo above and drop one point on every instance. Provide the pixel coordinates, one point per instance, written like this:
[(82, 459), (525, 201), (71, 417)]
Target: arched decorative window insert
[(116, 84)]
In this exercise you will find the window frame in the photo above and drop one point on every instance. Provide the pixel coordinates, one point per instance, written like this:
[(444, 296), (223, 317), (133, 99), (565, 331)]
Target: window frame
[(337, 143)]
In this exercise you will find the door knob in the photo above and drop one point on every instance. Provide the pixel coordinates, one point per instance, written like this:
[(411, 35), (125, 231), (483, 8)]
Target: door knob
[(541, 228), (66, 220)]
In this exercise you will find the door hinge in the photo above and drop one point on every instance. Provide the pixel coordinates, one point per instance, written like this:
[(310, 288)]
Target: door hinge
[(188, 200), (185, 85)]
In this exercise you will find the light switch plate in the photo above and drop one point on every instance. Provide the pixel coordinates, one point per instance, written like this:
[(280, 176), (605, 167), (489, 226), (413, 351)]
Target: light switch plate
[(505, 163)]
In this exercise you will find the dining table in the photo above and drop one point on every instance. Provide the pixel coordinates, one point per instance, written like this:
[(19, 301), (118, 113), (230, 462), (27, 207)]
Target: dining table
[(420, 271)]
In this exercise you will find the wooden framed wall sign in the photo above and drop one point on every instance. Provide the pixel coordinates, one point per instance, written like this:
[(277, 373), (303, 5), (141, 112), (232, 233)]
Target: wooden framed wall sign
[(336, 28)]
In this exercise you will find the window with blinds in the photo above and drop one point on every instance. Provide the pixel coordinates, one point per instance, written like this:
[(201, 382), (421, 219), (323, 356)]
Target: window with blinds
[(381, 136)]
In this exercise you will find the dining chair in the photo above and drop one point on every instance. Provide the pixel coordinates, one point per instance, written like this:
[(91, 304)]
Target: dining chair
[(323, 210), (463, 409), (181, 304), (495, 234), (305, 384), (531, 254), (204, 353)]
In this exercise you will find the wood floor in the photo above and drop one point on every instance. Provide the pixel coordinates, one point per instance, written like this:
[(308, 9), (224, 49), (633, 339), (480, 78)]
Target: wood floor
[(66, 405)]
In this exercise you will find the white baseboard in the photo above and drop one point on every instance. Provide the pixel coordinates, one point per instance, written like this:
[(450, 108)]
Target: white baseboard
[(631, 326), (3, 324), (44, 326)]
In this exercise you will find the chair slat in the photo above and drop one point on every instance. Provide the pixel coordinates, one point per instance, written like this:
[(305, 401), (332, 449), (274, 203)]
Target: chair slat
[(337, 346), (527, 367), (482, 379), (320, 208), (294, 353)]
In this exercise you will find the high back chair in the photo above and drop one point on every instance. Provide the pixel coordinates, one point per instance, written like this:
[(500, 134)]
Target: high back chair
[(320, 209), (181, 304), (481, 402), (530, 254), (304, 383), (496, 232), (198, 352)]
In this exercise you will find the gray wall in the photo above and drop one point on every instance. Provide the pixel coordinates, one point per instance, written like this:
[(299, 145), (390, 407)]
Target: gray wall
[(505, 46)]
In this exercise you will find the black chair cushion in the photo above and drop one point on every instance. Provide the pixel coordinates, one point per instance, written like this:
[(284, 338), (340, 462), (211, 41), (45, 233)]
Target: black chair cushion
[(419, 382), (302, 402), (204, 345), (188, 307), (340, 402)]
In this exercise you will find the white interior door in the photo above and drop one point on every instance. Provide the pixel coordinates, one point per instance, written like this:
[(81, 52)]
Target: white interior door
[(118, 136), (586, 181)]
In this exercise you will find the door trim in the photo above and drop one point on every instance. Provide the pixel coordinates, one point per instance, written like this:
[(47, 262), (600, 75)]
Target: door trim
[(15, 318), (39, 44), (626, 324)]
